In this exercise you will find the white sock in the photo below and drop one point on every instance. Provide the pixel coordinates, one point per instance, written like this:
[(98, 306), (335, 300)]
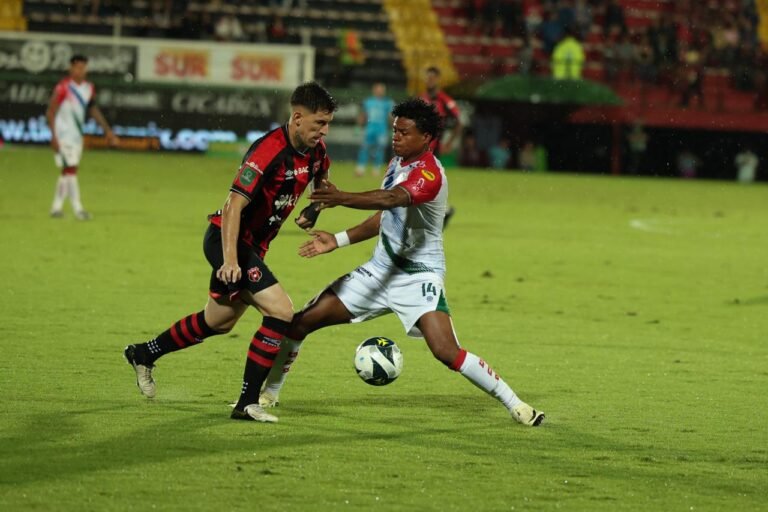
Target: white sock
[(74, 193), (479, 373), (60, 194), (289, 351)]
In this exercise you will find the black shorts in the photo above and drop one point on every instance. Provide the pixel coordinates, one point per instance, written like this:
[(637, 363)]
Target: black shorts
[(256, 275)]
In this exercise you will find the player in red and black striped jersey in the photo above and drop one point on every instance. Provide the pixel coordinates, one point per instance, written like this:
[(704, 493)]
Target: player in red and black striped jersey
[(449, 115), (446, 108), (274, 173)]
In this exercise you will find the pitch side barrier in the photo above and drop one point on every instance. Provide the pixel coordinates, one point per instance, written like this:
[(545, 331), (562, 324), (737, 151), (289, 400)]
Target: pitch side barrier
[(184, 95)]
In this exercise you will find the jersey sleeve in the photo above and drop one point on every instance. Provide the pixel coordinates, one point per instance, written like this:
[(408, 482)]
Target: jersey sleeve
[(250, 176), (60, 92), (422, 185)]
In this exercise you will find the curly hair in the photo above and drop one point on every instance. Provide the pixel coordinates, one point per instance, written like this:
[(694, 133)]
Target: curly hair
[(313, 97), (423, 114)]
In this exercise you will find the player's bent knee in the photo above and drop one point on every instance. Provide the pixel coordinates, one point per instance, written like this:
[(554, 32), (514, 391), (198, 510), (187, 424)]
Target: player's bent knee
[(282, 312)]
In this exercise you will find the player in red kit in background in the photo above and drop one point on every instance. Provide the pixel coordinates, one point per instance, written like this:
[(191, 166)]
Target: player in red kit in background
[(450, 116), (274, 173)]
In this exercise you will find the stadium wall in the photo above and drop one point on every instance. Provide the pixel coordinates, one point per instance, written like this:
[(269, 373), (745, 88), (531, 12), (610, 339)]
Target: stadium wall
[(184, 94)]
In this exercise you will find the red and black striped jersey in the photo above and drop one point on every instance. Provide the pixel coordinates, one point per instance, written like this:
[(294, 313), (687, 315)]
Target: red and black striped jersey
[(446, 107), (273, 175), (444, 104)]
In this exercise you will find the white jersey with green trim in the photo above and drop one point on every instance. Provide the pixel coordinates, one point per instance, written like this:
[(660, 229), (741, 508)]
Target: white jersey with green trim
[(73, 99), (411, 237)]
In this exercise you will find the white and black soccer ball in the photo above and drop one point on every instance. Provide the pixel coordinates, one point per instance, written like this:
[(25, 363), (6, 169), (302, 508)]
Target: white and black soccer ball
[(378, 361)]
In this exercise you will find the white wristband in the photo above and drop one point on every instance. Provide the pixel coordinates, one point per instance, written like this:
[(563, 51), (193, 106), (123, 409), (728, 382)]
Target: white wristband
[(342, 239)]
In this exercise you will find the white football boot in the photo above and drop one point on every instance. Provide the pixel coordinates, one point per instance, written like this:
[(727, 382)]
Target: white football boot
[(144, 379), (253, 412), (527, 415), (268, 400)]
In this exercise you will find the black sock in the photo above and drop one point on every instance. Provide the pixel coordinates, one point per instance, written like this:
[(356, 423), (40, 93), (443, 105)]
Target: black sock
[(190, 330), (261, 356)]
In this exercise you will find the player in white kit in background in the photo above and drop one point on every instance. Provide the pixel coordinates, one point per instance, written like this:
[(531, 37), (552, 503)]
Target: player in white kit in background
[(406, 273), (71, 103)]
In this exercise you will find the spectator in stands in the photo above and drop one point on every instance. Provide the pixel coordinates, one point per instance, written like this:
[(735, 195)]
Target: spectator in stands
[(470, 155), (474, 11), (351, 55), (566, 15), (743, 68), (663, 39), (746, 164), (626, 55), (692, 78), (610, 59), (499, 154), (491, 14), (550, 31), (614, 18), (687, 164), (526, 157), (582, 13), (637, 141), (731, 39), (277, 32), (747, 27), (525, 56), (228, 28), (646, 68), (568, 58)]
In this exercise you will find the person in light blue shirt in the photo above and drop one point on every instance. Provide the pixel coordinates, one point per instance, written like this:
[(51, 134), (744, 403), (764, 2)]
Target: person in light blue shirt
[(376, 118)]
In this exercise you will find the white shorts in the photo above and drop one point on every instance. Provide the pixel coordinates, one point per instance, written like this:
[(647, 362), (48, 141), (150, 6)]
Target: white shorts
[(69, 154), (369, 292)]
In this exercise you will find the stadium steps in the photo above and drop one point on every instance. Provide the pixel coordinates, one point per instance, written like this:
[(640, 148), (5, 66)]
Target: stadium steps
[(420, 40), (11, 15)]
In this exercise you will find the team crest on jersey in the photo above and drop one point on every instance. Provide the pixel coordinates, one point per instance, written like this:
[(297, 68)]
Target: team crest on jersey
[(254, 274), (247, 177), (428, 174)]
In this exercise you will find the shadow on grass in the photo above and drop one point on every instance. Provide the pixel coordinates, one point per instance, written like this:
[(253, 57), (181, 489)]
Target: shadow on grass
[(51, 446)]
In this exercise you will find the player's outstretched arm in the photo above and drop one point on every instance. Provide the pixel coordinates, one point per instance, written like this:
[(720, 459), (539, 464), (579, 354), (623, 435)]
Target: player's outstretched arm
[(331, 196), (323, 242)]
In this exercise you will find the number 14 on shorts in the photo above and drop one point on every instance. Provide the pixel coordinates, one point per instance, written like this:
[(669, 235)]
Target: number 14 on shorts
[(428, 289)]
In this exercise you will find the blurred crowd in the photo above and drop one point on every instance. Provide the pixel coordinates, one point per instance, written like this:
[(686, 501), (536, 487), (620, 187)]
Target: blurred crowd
[(174, 19), (673, 50)]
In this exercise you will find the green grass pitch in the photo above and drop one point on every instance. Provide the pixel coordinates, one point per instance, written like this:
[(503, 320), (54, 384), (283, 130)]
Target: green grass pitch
[(633, 311)]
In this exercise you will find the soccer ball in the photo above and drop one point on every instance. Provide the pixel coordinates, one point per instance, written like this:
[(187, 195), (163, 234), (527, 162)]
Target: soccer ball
[(378, 361)]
